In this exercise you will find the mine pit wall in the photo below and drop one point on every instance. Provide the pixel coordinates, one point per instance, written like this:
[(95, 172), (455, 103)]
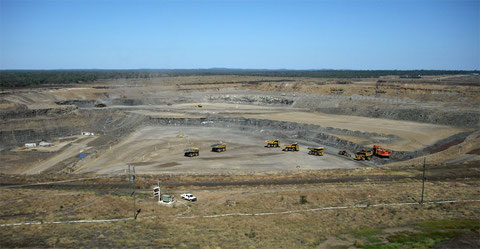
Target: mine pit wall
[(109, 124), (31, 113), (366, 106), (363, 106), (441, 117), (127, 101)]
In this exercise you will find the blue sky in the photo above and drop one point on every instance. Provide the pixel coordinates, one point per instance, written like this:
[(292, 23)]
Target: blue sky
[(387, 34)]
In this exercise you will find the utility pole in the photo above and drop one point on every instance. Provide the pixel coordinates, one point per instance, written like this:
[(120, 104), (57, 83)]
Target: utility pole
[(129, 181), (133, 184), (159, 190), (423, 180)]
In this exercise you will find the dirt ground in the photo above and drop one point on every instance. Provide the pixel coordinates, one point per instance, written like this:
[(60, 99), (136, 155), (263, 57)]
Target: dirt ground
[(361, 224), (156, 150)]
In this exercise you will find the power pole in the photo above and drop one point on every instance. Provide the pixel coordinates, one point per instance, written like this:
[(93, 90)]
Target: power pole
[(133, 184), (129, 181), (423, 180), (159, 191)]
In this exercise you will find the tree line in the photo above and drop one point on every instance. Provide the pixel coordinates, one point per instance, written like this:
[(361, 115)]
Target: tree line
[(32, 78)]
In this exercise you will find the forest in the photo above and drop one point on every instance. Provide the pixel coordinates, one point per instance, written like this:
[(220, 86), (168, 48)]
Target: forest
[(32, 78)]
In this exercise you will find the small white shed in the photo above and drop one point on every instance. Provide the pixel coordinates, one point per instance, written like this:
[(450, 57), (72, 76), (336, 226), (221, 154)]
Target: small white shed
[(30, 145), (45, 144)]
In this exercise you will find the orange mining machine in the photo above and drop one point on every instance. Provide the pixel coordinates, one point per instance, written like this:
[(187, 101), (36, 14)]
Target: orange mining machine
[(381, 152)]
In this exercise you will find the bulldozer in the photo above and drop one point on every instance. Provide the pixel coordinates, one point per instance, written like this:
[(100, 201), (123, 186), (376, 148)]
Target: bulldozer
[(381, 152), (344, 153), (219, 147), (272, 143), (291, 147), (316, 151), (192, 151), (363, 155)]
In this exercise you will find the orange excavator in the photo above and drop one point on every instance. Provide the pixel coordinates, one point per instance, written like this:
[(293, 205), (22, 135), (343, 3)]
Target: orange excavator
[(381, 152)]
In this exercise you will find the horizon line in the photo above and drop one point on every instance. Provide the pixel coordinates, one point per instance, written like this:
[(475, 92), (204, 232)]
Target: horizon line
[(226, 68)]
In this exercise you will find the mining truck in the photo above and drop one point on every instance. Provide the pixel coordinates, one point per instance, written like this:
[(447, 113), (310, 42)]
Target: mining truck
[(316, 151), (363, 155), (219, 147), (192, 151), (381, 152), (272, 143), (291, 147), (100, 105), (344, 153)]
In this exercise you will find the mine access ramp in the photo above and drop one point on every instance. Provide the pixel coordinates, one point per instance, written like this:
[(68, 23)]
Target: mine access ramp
[(192, 151)]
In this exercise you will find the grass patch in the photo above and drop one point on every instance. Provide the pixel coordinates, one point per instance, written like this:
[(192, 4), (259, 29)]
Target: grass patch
[(449, 224), (421, 240), (368, 234), (430, 233)]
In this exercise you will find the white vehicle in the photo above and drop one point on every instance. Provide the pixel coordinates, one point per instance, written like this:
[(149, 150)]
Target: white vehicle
[(189, 197)]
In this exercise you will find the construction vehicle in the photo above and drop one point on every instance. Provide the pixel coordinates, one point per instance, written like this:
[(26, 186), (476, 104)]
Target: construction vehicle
[(381, 152), (291, 147), (100, 105), (219, 147), (344, 153), (192, 151), (363, 155), (272, 143), (316, 151)]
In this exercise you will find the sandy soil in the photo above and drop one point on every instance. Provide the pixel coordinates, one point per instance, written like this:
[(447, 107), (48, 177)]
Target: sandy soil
[(160, 150), (416, 135)]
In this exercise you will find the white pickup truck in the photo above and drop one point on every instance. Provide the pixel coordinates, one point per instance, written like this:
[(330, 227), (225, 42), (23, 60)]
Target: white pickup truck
[(189, 197)]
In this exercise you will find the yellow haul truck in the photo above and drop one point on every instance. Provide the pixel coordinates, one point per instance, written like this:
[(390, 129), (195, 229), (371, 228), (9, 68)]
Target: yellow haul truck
[(192, 151), (316, 151), (344, 153), (363, 155), (272, 143), (219, 147), (291, 147)]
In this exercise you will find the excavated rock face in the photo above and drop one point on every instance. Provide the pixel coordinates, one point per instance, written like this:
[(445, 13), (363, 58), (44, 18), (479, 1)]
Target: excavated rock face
[(252, 99)]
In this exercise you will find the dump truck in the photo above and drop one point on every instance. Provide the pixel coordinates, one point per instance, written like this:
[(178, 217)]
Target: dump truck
[(219, 147), (363, 155), (291, 147), (272, 143), (381, 152), (100, 105), (192, 151), (316, 151), (344, 153)]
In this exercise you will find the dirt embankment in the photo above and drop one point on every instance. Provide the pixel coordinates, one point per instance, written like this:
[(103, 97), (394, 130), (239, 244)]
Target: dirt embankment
[(16, 132), (453, 114)]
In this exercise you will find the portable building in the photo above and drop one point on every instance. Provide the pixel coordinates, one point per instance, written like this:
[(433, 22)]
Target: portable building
[(167, 198), (30, 145), (45, 144)]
